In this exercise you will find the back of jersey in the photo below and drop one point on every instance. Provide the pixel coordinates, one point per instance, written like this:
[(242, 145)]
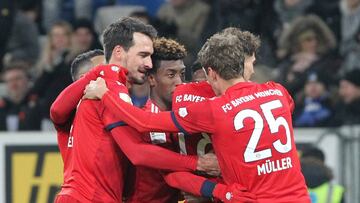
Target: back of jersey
[(254, 141)]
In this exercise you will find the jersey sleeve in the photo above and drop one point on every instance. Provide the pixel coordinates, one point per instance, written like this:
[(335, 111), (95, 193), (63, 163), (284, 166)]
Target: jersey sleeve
[(145, 154), (110, 120), (191, 183), (66, 102), (197, 117), (139, 119)]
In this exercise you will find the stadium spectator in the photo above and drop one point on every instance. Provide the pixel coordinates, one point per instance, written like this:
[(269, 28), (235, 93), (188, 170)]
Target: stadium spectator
[(18, 110), (307, 46), (55, 69), (190, 17), (319, 178), (351, 59), (315, 107), (22, 43), (228, 57), (348, 109), (84, 38), (350, 24)]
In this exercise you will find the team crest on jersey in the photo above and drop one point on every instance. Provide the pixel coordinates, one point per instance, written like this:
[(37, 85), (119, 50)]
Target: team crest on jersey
[(183, 112), (125, 97), (115, 68), (102, 73)]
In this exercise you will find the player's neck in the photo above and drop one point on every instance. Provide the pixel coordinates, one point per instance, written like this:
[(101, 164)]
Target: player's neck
[(117, 62), (159, 102), (225, 84)]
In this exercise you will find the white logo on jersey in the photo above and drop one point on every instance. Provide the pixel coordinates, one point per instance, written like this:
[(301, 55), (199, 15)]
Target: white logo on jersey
[(102, 73), (115, 68), (183, 112), (125, 97)]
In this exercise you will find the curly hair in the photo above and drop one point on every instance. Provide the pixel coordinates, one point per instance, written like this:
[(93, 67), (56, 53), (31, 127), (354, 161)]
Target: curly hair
[(225, 52), (166, 49)]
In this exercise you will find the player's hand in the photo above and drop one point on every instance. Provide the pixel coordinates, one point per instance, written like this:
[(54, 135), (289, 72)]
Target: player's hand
[(209, 164), (109, 72), (234, 193), (190, 198), (95, 89)]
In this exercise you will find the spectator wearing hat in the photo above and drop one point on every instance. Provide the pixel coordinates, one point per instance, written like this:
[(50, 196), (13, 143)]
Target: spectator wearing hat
[(315, 109), (348, 109)]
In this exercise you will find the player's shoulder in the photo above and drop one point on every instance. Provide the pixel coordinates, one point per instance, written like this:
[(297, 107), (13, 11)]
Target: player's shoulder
[(272, 84), (150, 106), (116, 86), (202, 88)]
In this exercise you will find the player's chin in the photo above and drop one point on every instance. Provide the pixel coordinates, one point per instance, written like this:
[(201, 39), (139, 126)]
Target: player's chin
[(139, 80)]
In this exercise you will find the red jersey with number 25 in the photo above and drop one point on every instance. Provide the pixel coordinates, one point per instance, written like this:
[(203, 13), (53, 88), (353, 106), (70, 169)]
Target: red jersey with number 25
[(184, 95), (252, 135)]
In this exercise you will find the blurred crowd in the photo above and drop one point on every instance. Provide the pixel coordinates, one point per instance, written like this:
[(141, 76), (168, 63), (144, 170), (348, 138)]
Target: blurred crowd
[(311, 47)]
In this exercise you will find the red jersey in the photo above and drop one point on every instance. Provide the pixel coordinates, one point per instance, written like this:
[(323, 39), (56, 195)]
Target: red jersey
[(253, 138), (97, 166), (64, 143), (148, 184), (184, 95)]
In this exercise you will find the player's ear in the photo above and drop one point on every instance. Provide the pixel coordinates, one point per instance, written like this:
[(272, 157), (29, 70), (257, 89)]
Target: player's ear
[(118, 52), (211, 74), (151, 80)]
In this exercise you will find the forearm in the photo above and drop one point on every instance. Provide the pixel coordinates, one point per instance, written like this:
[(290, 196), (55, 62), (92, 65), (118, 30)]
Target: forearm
[(145, 154), (137, 118), (185, 181)]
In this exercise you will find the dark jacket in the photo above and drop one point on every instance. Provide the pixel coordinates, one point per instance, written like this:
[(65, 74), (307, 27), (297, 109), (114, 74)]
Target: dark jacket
[(27, 113)]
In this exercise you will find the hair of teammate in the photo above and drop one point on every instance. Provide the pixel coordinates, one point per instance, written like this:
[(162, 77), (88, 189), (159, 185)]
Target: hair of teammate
[(166, 50), (225, 52), (82, 60), (122, 32)]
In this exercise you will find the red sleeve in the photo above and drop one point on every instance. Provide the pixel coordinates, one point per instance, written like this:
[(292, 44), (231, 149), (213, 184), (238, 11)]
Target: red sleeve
[(139, 119), (196, 117), (144, 154), (181, 120), (67, 101), (186, 182)]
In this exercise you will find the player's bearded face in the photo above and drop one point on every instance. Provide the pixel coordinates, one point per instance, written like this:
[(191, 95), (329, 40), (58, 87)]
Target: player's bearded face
[(137, 58)]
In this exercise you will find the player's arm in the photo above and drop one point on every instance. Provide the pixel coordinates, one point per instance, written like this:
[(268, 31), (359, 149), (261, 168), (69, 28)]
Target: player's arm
[(201, 186), (145, 154), (67, 101)]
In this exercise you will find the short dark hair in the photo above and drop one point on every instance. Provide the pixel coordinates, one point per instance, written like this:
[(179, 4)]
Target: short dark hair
[(196, 66), (225, 51), (122, 32), (314, 152), (166, 49), (17, 65), (82, 60)]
